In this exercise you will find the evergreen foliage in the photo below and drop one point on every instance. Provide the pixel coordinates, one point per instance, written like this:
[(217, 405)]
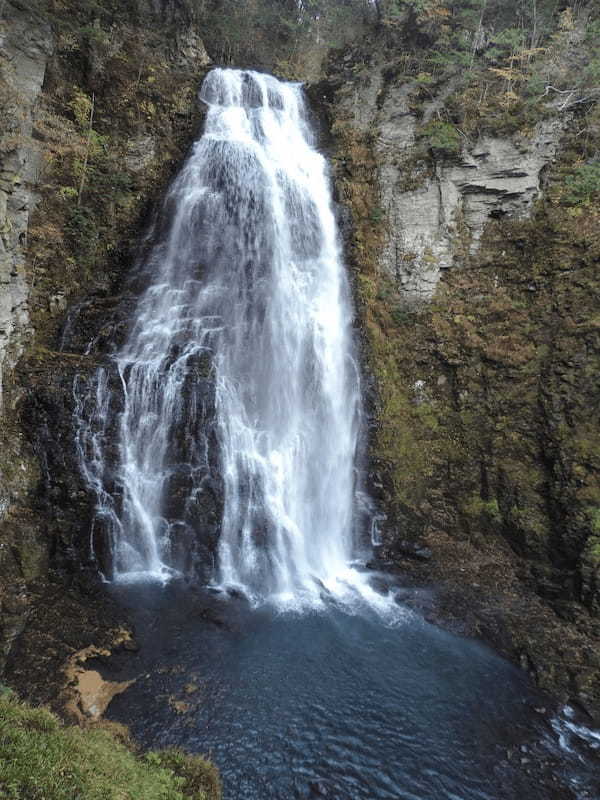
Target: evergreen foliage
[(583, 185), (442, 137)]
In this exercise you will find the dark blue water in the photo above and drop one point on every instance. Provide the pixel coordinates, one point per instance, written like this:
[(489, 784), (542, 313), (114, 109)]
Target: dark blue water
[(339, 706)]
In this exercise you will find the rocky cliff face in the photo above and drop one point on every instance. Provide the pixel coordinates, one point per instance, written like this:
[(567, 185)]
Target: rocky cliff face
[(26, 48), (474, 249), (476, 276), (489, 179), (435, 203), (96, 111), (26, 45)]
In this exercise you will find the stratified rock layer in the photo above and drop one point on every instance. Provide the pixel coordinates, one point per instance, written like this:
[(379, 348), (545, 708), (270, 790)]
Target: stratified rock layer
[(478, 287), (431, 208), (26, 44)]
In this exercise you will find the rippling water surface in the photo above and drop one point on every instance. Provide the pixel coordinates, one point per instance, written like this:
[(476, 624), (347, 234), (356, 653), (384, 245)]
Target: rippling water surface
[(342, 706)]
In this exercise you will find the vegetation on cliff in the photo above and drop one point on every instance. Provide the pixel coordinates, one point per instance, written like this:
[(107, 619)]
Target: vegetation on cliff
[(41, 759), (483, 430), (483, 424), (114, 81)]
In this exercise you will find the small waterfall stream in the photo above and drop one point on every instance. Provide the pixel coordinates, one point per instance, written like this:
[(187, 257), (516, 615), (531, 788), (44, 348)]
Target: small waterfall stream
[(248, 292)]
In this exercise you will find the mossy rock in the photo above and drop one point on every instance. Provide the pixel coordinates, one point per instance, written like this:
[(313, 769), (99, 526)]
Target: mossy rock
[(590, 573)]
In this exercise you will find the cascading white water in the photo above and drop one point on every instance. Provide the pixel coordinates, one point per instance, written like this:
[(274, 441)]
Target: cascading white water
[(250, 274)]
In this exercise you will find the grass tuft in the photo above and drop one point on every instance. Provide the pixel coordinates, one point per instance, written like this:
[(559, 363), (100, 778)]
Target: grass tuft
[(42, 759)]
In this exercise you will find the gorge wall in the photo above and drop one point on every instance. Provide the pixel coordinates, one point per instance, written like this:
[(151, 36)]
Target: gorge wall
[(473, 197), (476, 255), (98, 107)]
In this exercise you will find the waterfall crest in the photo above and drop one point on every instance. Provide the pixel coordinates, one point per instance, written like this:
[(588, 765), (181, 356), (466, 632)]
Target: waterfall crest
[(249, 294)]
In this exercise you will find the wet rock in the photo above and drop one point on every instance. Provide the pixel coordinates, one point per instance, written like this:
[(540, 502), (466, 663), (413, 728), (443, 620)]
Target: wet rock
[(179, 706), (130, 645), (408, 549), (319, 789), (95, 694)]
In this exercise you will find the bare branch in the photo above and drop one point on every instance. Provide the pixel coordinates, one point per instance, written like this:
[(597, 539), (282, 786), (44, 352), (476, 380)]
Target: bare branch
[(590, 95)]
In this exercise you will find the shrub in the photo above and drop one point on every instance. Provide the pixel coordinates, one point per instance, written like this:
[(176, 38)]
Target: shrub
[(442, 137), (201, 777), (583, 185), (594, 516), (376, 215), (476, 506)]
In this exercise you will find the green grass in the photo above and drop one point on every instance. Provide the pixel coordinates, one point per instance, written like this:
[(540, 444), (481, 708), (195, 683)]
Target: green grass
[(42, 759)]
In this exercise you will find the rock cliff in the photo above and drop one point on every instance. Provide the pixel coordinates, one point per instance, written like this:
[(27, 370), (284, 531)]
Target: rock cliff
[(473, 192), (476, 276), (97, 108), (26, 46), (430, 206)]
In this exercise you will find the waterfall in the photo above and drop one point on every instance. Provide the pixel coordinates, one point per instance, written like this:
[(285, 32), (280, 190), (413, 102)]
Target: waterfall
[(248, 295)]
